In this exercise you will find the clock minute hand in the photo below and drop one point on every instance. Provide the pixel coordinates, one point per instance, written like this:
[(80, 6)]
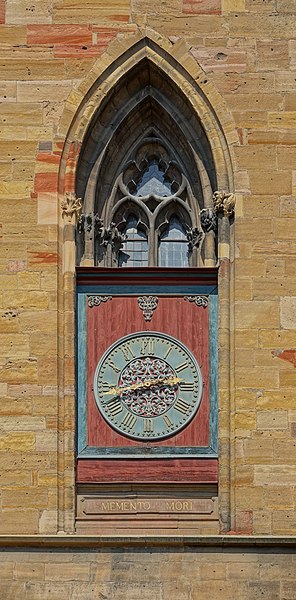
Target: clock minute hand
[(150, 382)]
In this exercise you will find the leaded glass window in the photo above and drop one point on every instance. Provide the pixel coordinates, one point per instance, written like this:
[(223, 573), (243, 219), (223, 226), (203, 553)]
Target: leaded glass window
[(153, 182), (150, 217), (134, 251), (173, 245)]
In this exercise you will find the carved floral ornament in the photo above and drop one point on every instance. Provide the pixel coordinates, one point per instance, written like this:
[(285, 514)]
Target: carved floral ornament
[(71, 207)]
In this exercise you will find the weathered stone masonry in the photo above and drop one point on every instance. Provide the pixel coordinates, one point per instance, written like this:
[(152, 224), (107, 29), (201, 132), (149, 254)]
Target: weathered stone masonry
[(242, 54)]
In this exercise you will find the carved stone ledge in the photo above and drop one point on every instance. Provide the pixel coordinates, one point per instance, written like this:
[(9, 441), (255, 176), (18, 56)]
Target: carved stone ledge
[(71, 207), (224, 203)]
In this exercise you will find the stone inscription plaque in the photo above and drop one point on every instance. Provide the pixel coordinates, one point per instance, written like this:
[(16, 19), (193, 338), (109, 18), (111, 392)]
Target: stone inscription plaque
[(91, 506)]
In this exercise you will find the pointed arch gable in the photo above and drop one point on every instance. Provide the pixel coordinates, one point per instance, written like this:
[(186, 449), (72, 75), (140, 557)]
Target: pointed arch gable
[(121, 58)]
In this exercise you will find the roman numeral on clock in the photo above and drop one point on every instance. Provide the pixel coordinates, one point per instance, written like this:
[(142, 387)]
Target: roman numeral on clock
[(147, 346), (148, 426), (127, 352), (168, 421), (104, 386), (114, 407), (181, 367), (167, 352), (111, 364), (182, 406), (128, 421), (186, 387)]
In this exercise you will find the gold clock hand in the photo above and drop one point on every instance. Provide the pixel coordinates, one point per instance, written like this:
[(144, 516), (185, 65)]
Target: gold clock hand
[(113, 390), (150, 382), (145, 384)]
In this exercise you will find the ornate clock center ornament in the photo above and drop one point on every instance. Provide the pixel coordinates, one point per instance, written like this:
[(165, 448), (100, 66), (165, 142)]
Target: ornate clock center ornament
[(148, 385)]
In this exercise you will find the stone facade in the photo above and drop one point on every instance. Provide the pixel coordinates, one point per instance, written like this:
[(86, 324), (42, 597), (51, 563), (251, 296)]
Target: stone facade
[(185, 572), (59, 58)]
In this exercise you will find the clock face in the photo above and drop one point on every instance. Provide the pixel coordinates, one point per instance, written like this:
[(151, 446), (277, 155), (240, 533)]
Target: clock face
[(148, 386)]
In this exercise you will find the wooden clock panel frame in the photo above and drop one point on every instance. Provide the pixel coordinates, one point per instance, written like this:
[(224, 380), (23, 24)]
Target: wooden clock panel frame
[(104, 455)]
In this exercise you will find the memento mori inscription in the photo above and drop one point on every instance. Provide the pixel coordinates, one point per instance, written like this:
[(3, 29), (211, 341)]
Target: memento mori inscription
[(147, 505)]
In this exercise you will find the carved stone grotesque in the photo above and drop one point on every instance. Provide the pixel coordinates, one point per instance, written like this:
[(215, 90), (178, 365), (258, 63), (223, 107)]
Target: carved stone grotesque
[(81, 223), (115, 238), (194, 237), (71, 206), (208, 219), (99, 229), (91, 227), (224, 203)]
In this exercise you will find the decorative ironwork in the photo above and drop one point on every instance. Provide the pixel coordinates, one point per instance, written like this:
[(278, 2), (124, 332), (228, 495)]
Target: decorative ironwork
[(147, 304), (208, 219), (71, 206), (224, 203), (150, 386), (97, 300), (198, 300)]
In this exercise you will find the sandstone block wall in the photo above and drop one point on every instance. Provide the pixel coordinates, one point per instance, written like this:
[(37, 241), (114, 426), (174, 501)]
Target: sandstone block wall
[(247, 50), (157, 574)]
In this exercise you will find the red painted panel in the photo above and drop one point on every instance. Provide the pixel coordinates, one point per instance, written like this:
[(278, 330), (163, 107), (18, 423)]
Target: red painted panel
[(144, 471), (121, 316)]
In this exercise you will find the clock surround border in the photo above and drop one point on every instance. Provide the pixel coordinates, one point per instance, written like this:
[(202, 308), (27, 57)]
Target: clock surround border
[(164, 282)]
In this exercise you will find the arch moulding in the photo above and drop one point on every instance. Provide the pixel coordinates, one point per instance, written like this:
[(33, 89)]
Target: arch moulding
[(178, 64)]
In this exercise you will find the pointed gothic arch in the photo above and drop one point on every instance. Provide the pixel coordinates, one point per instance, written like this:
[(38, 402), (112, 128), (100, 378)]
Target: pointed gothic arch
[(145, 119)]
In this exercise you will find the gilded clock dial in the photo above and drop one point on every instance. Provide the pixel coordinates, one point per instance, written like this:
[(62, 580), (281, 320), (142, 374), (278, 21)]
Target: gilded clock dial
[(148, 385)]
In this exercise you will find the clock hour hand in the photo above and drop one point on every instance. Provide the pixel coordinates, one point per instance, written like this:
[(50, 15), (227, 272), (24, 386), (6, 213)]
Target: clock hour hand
[(161, 380)]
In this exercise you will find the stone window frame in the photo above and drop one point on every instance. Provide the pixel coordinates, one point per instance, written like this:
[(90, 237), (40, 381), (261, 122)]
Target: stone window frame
[(177, 62)]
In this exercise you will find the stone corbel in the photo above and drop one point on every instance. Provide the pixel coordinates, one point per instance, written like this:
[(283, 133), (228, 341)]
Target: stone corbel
[(224, 203), (71, 207)]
